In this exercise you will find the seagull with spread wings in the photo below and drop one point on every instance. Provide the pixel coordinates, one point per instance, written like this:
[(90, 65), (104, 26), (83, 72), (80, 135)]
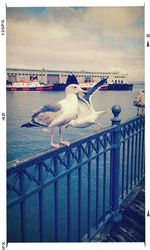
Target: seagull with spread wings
[(87, 115)]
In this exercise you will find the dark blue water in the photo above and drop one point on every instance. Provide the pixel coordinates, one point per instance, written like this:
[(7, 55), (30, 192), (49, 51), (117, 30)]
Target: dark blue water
[(22, 142)]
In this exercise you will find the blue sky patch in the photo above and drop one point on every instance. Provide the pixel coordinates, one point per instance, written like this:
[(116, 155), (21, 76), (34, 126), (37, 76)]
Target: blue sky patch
[(36, 10)]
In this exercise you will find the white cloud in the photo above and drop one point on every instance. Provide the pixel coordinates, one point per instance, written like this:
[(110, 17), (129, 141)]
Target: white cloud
[(94, 39)]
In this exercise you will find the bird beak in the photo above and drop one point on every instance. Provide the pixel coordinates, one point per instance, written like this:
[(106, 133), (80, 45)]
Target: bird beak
[(83, 91)]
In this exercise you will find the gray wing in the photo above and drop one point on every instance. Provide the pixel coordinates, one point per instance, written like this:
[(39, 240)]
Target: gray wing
[(46, 114)]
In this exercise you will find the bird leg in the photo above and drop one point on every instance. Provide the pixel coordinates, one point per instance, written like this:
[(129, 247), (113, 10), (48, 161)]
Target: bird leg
[(99, 124), (54, 145), (67, 143)]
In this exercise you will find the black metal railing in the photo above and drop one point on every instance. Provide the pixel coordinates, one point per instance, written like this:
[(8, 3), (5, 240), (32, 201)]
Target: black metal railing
[(67, 194)]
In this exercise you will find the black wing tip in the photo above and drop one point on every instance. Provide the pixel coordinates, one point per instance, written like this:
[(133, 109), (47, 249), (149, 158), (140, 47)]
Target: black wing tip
[(94, 88), (28, 125)]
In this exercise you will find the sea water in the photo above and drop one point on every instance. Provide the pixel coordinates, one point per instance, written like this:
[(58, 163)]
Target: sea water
[(22, 142)]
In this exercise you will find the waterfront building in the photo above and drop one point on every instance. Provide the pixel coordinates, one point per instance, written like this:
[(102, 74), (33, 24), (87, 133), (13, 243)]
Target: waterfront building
[(58, 76)]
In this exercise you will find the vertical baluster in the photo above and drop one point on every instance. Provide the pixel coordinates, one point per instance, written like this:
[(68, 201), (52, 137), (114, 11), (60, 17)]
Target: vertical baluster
[(139, 155), (22, 206), (89, 195), (104, 177), (111, 174), (97, 184), (135, 156), (79, 195), (68, 198), (132, 150), (41, 203), (56, 199), (127, 173), (123, 165), (142, 155), (143, 160)]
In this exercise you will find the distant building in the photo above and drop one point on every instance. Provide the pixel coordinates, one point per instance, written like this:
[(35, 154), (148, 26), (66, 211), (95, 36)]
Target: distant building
[(57, 76)]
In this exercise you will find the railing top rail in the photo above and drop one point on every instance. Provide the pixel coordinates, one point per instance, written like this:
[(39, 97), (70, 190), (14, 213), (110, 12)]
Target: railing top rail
[(131, 120)]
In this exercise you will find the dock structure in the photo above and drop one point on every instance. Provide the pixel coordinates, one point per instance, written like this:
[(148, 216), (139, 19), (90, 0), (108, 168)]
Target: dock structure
[(71, 193), (60, 76), (132, 226)]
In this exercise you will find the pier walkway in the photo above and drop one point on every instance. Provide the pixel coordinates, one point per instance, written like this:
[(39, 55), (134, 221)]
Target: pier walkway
[(132, 226)]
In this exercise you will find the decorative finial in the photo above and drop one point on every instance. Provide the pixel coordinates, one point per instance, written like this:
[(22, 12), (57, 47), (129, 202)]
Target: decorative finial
[(116, 109)]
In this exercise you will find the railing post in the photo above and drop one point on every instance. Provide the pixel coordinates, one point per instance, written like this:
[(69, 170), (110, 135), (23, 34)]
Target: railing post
[(115, 164)]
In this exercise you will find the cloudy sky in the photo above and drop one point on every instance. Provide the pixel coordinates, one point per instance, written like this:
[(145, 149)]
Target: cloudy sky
[(90, 39)]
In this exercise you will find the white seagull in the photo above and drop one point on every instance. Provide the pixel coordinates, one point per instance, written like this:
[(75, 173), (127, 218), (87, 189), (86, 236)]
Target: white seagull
[(57, 115), (139, 101), (87, 115)]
